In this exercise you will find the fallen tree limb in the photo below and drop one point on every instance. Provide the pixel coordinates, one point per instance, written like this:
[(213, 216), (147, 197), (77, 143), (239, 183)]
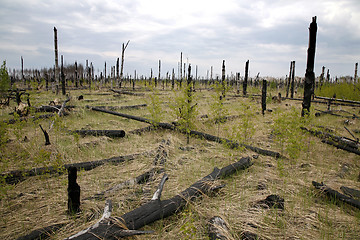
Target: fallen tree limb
[(218, 229), (127, 93), (350, 192), (112, 228), (107, 133), (42, 233), (140, 131), (231, 143), (339, 142), (337, 100), (111, 108), (16, 176), (50, 108), (333, 113), (336, 195)]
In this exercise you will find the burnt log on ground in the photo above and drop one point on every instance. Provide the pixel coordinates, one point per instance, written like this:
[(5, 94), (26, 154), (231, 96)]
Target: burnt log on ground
[(15, 176), (127, 93), (338, 100), (107, 133), (337, 141), (354, 193), (335, 113), (230, 143), (333, 194), (111, 108), (44, 116), (50, 108), (42, 233), (113, 227), (218, 229), (140, 131)]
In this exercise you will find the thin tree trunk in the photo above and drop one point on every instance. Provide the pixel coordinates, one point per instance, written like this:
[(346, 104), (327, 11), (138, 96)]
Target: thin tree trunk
[(246, 78), (263, 97), (62, 76), (56, 62), (122, 61), (322, 77), (309, 75), (355, 75), (288, 83), (292, 80), (223, 80), (76, 75)]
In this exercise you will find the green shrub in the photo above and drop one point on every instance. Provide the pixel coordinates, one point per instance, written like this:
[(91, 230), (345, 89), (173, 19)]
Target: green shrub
[(4, 81)]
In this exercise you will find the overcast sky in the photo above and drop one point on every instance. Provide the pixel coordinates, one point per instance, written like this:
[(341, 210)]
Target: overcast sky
[(268, 33)]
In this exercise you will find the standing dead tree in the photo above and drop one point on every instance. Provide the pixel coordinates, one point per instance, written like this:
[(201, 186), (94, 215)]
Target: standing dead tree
[(263, 97), (56, 62), (293, 80), (122, 61), (309, 75), (246, 77), (288, 83)]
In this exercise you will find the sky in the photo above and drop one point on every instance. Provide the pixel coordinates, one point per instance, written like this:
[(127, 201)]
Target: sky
[(269, 34)]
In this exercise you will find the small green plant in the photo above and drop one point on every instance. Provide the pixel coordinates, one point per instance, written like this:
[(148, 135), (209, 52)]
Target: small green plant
[(218, 110), (154, 105), (188, 228)]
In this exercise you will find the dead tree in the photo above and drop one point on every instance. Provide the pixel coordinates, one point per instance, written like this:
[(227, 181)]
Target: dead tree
[(218, 229), (263, 97), (76, 75), (355, 75), (56, 62), (246, 78), (292, 80), (322, 77), (156, 209), (107, 133), (22, 71), (46, 135), (73, 191), (288, 83), (309, 75), (223, 87), (62, 76), (122, 61)]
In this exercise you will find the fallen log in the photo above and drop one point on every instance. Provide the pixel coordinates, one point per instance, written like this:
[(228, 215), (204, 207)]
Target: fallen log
[(337, 100), (341, 146), (230, 143), (107, 133), (336, 195), (16, 176), (50, 108), (218, 229), (112, 228), (140, 131), (332, 112), (122, 107), (127, 93), (42, 233), (350, 192)]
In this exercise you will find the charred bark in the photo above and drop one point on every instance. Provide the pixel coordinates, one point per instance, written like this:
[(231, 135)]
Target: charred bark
[(107, 133), (263, 97), (46, 135), (336, 195), (246, 78), (16, 176), (42, 233), (112, 228), (309, 75)]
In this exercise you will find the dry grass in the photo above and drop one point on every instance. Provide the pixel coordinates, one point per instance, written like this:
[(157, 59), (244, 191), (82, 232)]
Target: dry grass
[(42, 200)]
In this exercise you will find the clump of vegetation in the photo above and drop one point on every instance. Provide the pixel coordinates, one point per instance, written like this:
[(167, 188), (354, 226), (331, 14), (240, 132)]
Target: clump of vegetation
[(154, 104), (4, 81), (217, 108), (287, 132)]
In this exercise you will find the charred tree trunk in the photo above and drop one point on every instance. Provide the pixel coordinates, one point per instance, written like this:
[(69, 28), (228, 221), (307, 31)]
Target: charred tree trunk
[(122, 61), (309, 75), (22, 71), (246, 78), (56, 62), (158, 209), (288, 83), (292, 80), (47, 139), (173, 79), (322, 77), (223, 87), (73, 191), (355, 75), (76, 75), (263, 97), (62, 76)]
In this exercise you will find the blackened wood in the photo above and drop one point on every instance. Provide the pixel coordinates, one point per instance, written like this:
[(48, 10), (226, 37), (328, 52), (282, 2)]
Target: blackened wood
[(218, 229), (341, 146), (272, 201), (322, 77), (16, 176), (336, 195), (46, 135), (122, 61), (157, 194), (73, 191), (230, 143), (292, 89), (127, 93), (22, 71), (354, 193), (333, 112), (223, 87), (107, 133), (56, 61), (42, 233), (158, 209), (246, 78), (309, 75), (62, 76), (263, 97), (140, 131), (50, 108), (76, 75), (338, 100), (288, 82), (355, 75)]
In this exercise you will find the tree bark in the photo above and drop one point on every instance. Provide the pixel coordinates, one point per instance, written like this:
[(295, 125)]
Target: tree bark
[(336, 195), (292, 89), (107, 133), (111, 228), (289, 81), (16, 176), (122, 61), (46, 135), (62, 76), (355, 75), (42, 233), (56, 62), (309, 75), (246, 78), (263, 97)]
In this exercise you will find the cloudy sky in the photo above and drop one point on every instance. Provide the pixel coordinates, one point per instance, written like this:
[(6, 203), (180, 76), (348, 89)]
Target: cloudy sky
[(268, 33)]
